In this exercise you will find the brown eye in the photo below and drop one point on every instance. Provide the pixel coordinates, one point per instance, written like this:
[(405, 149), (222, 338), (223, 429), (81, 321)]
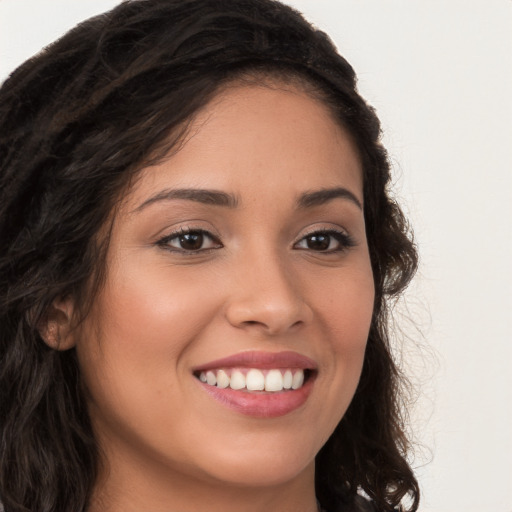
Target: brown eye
[(319, 242), (190, 241), (325, 241)]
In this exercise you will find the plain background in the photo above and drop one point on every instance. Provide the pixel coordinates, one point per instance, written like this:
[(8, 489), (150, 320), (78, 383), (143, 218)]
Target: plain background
[(439, 74)]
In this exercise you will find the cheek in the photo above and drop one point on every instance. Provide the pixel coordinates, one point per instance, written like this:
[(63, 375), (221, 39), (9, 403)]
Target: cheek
[(346, 309), (131, 346), (343, 309), (152, 311), (136, 335), (346, 306)]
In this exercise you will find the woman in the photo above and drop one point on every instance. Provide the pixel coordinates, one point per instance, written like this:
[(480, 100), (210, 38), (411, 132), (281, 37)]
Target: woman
[(198, 249)]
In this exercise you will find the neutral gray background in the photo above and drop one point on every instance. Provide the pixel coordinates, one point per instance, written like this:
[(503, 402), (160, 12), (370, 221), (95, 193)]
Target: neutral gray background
[(440, 75)]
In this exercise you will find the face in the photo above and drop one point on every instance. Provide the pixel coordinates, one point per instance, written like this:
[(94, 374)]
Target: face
[(229, 337)]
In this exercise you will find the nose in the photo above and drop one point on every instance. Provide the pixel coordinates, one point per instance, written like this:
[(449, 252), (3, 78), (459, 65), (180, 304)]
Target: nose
[(266, 298)]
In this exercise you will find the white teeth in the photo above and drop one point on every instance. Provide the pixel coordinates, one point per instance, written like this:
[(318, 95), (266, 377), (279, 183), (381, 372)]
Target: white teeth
[(237, 380), (298, 379), (274, 381), (211, 379), (287, 379), (255, 380), (222, 379)]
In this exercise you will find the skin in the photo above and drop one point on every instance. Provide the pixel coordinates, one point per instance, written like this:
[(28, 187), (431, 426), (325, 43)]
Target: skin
[(167, 445)]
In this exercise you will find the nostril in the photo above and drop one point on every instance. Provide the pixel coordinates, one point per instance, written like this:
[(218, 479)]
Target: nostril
[(272, 317)]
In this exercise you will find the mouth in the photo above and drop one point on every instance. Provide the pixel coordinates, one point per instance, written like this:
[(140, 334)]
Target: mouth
[(274, 380), (259, 384)]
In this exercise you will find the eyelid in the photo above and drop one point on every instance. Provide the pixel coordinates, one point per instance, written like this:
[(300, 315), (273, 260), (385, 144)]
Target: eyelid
[(184, 230), (345, 240)]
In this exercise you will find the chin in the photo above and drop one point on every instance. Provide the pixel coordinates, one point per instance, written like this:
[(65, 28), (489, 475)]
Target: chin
[(269, 473), (261, 465)]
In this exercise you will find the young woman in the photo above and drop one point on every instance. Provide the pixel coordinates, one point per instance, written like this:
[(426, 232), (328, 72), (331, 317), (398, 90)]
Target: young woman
[(198, 248)]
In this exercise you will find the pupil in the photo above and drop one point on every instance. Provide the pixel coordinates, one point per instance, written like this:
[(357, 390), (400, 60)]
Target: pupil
[(191, 241), (318, 242)]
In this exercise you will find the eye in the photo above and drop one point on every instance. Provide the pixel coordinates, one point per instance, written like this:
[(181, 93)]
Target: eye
[(189, 240), (325, 241)]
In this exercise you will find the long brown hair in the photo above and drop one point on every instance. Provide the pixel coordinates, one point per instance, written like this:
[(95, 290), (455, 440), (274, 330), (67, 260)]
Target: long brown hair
[(76, 124)]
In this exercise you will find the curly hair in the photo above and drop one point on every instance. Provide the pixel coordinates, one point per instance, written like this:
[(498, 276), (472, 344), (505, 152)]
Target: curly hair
[(77, 122)]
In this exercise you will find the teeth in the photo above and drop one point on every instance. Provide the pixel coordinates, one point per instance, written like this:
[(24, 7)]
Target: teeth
[(298, 380), (237, 380), (254, 379), (222, 379), (211, 379), (287, 379), (274, 381)]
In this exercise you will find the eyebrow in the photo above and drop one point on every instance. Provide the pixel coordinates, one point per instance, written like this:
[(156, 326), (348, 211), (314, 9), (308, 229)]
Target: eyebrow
[(219, 198), (319, 197), (211, 197)]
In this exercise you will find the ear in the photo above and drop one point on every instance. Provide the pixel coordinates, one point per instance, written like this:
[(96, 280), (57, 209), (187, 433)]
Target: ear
[(56, 328)]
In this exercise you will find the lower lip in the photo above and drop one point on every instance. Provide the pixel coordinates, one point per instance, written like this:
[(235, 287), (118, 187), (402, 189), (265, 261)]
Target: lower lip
[(260, 404)]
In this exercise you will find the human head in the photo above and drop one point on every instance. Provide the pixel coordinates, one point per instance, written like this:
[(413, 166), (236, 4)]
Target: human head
[(78, 121)]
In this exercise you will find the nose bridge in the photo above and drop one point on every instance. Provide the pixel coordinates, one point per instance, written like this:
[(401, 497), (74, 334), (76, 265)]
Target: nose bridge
[(265, 294)]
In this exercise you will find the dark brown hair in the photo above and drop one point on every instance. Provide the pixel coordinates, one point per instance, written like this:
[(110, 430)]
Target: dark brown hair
[(76, 124)]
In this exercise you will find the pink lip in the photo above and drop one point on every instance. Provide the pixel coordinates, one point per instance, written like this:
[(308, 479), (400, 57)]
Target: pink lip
[(261, 360), (261, 404)]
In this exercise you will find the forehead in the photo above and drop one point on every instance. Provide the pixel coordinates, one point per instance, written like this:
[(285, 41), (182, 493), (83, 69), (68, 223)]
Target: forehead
[(254, 136)]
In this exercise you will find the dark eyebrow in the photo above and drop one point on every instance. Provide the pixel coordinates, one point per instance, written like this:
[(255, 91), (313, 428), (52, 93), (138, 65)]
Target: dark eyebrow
[(318, 197), (213, 197)]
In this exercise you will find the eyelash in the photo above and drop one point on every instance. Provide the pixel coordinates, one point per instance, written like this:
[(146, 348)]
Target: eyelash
[(183, 232), (344, 240)]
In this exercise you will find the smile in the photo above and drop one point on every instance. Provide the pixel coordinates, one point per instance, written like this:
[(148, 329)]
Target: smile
[(254, 379), (259, 384)]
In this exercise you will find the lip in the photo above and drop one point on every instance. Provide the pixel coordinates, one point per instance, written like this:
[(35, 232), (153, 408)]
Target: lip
[(260, 360), (260, 404)]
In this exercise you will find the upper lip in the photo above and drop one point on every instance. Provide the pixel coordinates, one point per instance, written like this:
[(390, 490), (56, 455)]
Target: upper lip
[(262, 360)]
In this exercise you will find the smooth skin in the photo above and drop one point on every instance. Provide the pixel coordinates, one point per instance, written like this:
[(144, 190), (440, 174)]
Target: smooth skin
[(264, 274)]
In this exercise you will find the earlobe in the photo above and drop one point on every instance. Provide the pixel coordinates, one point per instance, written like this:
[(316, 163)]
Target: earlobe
[(56, 328)]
